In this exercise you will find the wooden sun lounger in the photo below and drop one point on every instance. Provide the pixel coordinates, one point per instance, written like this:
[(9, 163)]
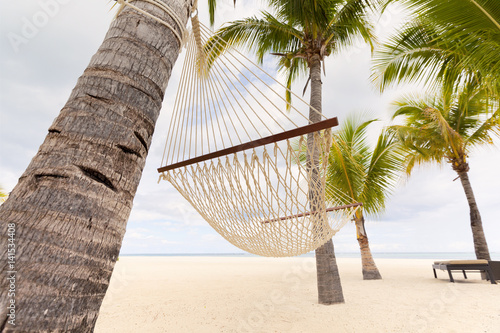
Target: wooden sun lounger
[(467, 265)]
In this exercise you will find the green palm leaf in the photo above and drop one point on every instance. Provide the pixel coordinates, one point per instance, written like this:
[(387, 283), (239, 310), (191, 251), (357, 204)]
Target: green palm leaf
[(445, 127), (450, 41), (359, 173)]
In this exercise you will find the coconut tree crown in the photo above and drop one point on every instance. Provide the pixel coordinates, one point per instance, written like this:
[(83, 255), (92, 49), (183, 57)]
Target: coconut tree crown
[(299, 30), (445, 127)]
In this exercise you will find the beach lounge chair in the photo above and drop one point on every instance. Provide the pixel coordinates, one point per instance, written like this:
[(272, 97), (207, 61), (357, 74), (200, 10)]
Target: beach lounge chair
[(469, 265)]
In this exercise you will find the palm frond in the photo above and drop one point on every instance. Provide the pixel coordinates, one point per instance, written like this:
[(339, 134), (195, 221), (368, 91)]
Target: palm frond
[(449, 41), (292, 68), (259, 35), (384, 170), (357, 172), (349, 23), (212, 6), (311, 16), (415, 55), (484, 134), (460, 14)]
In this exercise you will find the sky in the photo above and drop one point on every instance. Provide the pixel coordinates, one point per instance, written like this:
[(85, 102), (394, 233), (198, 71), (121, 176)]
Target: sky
[(45, 45)]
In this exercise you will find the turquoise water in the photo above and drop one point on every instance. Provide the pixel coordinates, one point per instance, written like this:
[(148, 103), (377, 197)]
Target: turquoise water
[(387, 255)]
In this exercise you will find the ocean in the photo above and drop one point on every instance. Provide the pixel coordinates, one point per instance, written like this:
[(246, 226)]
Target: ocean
[(381, 255)]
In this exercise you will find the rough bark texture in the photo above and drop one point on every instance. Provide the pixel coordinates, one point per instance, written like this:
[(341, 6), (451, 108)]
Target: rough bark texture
[(71, 205), (480, 245), (329, 286), (370, 270)]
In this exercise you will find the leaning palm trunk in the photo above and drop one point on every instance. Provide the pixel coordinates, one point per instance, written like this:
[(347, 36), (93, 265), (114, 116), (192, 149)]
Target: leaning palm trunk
[(370, 270), (329, 286), (71, 205), (480, 245)]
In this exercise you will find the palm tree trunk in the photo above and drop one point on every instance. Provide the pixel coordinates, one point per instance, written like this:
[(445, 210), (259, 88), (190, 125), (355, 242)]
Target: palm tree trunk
[(71, 206), (480, 245), (370, 270), (329, 285)]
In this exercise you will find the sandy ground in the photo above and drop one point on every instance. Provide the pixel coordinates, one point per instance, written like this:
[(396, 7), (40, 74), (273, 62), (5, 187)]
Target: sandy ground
[(231, 294)]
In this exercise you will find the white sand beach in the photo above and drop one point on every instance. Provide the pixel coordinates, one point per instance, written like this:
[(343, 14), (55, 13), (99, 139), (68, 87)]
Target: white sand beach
[(252, 294)]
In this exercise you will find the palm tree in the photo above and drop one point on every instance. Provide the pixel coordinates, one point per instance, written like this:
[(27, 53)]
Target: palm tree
[(359, 173), (454, 48), (445, 128), (447, 43), (71, 205), (302, 33)]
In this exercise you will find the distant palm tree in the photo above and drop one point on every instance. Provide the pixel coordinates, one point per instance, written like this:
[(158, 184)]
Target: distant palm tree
[(359, 173), (446, 43), (302, 33), (445, 128)]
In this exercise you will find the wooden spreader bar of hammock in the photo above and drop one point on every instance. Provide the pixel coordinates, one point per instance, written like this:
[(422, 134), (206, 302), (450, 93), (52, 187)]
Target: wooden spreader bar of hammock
[(320, 125), (331, 209)]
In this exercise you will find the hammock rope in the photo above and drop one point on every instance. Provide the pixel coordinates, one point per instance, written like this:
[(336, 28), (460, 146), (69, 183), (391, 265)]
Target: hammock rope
[(182, 37)]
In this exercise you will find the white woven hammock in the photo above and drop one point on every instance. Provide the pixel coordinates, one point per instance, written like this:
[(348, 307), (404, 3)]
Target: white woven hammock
[(254, 171)]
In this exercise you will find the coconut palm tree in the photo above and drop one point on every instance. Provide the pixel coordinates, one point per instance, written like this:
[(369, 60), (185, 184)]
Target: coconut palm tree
[(302, 33), (71, 205), (360, 173), (454, 48), (446, 43), (445, 128)]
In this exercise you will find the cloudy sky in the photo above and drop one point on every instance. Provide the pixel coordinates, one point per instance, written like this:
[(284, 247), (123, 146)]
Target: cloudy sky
[(46, 44)]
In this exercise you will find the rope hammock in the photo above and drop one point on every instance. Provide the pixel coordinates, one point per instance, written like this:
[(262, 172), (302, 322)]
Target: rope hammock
[(253, 170)]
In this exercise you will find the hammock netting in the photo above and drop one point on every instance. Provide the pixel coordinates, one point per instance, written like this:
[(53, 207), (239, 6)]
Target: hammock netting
[(254, 170)]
